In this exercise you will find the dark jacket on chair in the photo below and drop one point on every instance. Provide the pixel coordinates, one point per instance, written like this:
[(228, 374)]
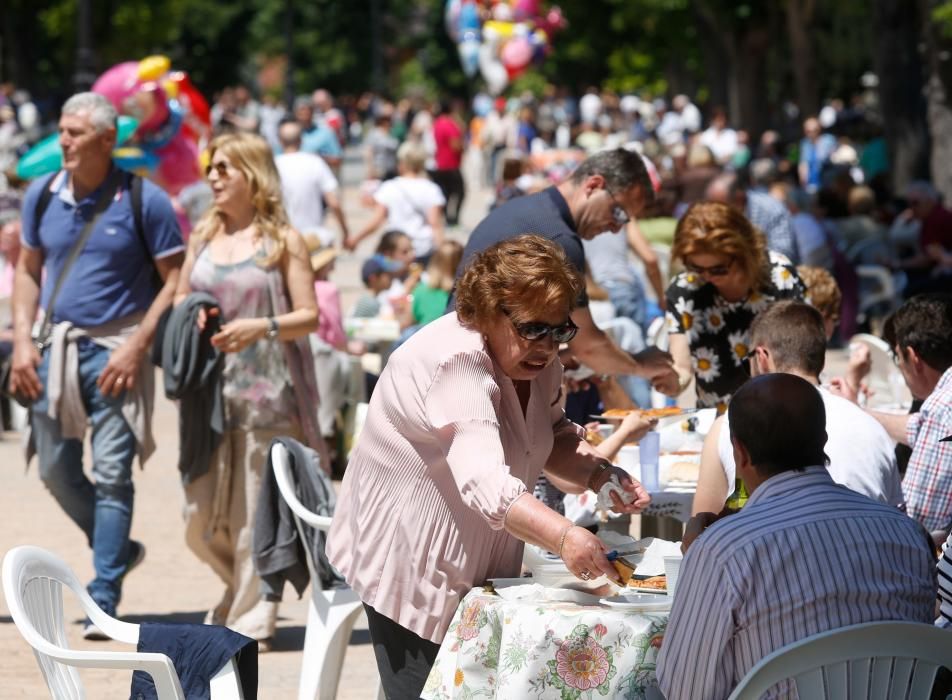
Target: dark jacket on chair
[(279, 553)]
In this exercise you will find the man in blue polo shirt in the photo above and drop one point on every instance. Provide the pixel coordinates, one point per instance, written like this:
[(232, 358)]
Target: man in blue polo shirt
[(603, 194), (95, 368)]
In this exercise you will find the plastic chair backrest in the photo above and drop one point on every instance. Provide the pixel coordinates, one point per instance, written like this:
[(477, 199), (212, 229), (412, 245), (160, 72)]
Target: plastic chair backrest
[(884, 660), (33, 581)]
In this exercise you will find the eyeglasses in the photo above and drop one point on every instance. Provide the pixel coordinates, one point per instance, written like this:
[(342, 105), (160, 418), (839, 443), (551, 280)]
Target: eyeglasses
[(748, 358), (618, 211), (712, 271), (221, 167), (536, 330)]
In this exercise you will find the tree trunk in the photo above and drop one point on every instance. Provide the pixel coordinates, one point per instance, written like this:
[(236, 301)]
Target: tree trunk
[(749, 83), (799, 16), (897, 30), (938, 96)]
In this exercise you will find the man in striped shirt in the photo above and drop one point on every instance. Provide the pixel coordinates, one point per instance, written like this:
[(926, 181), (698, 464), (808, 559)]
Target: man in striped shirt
[(805, 555)]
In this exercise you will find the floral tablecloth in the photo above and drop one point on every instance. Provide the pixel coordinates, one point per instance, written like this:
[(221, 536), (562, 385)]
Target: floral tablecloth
[(519, 649)]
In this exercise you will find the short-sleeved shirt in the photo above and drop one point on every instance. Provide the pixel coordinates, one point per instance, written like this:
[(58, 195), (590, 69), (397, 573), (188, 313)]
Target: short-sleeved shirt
[(445, 132), (545, 214), (305, 178), (718, 331), (113, 277), (408, 201), (321, 141)]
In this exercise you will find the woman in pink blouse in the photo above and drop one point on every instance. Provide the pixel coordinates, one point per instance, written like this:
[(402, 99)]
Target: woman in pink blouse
[(437, 496)]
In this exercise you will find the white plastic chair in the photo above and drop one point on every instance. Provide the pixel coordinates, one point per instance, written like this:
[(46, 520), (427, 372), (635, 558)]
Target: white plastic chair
[(884, 660), (331, 613), (33, 581)]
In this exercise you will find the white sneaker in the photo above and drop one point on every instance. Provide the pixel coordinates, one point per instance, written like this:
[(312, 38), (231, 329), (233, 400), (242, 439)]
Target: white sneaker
[(92, 632)]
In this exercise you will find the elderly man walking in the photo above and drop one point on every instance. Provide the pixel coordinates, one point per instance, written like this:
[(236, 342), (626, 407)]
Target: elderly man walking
[(112, 250)]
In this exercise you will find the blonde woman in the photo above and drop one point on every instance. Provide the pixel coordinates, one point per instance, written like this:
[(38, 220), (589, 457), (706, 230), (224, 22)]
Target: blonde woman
[(245, 254)]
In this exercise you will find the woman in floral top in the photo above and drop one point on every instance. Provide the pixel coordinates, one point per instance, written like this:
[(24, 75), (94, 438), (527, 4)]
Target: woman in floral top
[(729, 277)]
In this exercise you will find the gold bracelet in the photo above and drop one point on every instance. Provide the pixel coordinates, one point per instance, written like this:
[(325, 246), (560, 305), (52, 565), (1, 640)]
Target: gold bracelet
[(565, 531)]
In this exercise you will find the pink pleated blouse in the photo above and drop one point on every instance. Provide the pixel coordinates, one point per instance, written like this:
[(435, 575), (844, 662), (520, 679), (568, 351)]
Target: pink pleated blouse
[(443, 454)]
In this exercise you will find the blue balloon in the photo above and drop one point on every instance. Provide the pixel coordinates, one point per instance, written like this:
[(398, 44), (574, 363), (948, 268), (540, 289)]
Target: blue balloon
[(469, 56), (468, 17)]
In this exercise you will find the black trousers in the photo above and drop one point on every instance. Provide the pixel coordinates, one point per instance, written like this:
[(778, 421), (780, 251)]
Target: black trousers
[(404, 659), (451, 184)]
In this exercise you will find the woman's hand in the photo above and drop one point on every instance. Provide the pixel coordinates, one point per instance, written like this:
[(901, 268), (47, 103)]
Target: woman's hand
[(584, 555), (635, 425), (201, 318), (636, 498), (236, 335)]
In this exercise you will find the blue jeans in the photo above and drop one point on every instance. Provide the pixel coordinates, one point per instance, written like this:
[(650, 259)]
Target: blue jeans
[(102, 510)]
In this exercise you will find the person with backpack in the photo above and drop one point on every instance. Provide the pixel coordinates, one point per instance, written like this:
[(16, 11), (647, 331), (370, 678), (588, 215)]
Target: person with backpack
[(112, 249)]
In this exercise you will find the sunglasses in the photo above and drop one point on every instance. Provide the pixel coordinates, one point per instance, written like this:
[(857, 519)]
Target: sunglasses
[(618, 211), (536, 330), (222, 168), (712, 271), (749, 357)]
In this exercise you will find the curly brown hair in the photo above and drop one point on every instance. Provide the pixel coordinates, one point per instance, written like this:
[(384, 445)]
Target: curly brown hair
[(713, 228), (520, 277)]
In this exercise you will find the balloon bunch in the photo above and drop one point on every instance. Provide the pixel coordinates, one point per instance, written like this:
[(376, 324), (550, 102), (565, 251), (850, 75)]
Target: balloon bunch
[(500, 38), (173, 117)]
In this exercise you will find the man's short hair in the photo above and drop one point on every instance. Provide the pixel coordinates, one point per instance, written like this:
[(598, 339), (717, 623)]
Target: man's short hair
[(621, 168), (780, 420), (102, 115), (924, 323), (289, 134), (793, 332)]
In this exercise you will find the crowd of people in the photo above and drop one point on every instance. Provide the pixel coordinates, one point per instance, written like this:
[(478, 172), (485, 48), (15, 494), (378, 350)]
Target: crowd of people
[(472, 438)]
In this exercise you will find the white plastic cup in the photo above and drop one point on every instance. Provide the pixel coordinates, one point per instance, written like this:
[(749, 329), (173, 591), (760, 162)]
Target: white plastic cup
[(672, 567), (629, 461), (649, 451), (606, 430)]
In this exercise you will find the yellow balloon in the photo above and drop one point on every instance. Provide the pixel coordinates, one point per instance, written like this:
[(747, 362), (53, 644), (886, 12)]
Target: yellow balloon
[(503, 29), (171, 89), (153, 67)]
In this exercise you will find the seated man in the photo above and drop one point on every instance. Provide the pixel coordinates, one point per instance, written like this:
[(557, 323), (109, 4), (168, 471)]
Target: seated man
[(804, 556), (919, 334), (790, 337)]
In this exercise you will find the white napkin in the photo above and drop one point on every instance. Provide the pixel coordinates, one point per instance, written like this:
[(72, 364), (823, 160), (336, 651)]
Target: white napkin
[(651, 561), (605, 501)]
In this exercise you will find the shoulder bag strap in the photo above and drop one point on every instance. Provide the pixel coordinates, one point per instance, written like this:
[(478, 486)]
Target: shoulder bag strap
[(107, 194)]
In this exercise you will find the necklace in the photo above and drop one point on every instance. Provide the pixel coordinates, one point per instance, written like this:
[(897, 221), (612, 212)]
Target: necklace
[(235, 244)]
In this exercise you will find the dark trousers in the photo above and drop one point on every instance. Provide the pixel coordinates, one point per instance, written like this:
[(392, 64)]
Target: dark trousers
[(404, 660), (451, 183)]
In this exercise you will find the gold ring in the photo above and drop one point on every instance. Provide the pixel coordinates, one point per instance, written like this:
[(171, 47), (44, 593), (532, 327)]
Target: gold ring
[(121, 380)]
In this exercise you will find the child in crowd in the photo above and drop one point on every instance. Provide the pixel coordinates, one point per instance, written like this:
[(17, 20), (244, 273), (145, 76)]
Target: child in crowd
[(823, 294), (431, 295), (377, 274), (509, 185)]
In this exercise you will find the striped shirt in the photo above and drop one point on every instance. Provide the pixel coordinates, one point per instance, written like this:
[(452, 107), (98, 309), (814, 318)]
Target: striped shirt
[(927, 485), (944, 571), (805, 555)]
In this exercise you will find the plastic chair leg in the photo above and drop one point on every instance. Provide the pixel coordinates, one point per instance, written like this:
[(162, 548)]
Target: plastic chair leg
[(330, 620)]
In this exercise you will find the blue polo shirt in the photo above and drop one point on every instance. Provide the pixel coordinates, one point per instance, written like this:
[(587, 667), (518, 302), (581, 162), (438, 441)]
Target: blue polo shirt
[(113, 276), (545, 214)]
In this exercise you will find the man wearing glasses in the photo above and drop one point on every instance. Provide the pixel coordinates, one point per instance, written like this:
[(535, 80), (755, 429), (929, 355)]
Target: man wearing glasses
[(108, 300), (602, 195)]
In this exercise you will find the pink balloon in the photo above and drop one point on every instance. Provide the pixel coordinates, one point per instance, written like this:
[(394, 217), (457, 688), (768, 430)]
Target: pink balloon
[(516, 53), (118, 83), (178, 164)]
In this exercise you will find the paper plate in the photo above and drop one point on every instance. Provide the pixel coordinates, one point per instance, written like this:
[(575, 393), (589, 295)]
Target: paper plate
[(644, 602)]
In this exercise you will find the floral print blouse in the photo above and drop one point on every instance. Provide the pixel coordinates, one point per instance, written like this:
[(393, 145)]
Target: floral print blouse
[(718, 330)]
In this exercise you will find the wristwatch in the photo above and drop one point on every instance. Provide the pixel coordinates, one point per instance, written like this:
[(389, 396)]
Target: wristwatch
[(599, 470), (272, 328)]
